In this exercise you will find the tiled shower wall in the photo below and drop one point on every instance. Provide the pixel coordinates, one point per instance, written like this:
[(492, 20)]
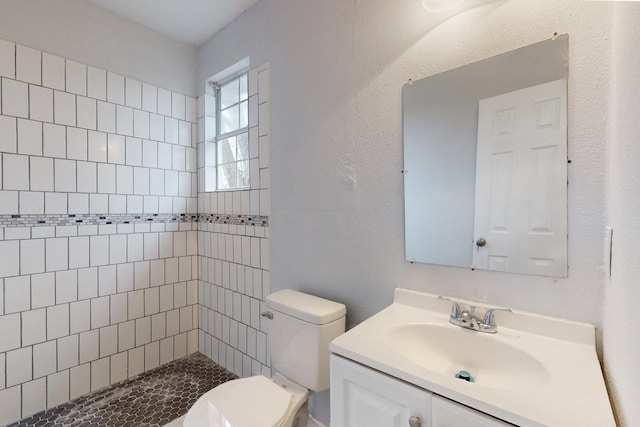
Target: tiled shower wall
[(98, 243), (234, 248)]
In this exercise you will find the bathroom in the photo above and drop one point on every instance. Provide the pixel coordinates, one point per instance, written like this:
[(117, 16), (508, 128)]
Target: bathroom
[(330, 185)]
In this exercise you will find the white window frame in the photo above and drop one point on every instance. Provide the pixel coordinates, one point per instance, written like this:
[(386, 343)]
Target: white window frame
[(212, 145)]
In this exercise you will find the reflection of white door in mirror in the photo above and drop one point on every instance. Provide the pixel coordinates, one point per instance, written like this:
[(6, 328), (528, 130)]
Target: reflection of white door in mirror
[(521, 176)]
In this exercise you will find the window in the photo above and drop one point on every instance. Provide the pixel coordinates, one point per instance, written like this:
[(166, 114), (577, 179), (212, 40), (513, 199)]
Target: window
[(227, 135)]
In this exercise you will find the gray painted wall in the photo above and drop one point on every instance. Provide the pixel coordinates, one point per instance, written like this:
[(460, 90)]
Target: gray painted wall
[(337, 71), (621, 346)]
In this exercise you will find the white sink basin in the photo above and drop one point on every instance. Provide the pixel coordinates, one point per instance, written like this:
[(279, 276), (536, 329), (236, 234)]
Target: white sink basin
[(535, 371), (448, 349)]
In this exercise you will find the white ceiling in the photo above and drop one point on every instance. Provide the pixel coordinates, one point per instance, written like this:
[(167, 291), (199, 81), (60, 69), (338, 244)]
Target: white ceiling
[(189, 21)]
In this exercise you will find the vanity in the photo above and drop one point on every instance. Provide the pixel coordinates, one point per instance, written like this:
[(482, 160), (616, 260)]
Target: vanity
[(409, 366)]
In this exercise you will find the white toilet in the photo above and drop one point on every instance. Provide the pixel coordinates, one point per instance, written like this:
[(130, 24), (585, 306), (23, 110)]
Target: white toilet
[(300, 328)]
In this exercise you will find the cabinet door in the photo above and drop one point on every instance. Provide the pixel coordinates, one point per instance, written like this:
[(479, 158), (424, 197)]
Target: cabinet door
[(446, 413), (364, 397)]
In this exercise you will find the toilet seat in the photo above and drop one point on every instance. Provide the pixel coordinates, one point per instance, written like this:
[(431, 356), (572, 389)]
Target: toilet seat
[(248, 402)]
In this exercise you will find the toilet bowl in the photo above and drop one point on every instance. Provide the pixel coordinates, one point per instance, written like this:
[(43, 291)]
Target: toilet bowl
[(300, 327), (251, 402)]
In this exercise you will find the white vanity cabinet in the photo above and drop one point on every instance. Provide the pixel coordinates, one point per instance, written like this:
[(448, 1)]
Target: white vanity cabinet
[(361, 396), (447, 413)]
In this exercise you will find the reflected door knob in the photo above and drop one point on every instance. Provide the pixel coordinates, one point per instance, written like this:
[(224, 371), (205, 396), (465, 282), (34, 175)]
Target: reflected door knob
[(481, 242), (414, 422)]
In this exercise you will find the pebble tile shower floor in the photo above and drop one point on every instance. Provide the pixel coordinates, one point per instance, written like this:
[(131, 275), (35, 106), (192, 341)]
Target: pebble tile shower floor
[(152, 399)]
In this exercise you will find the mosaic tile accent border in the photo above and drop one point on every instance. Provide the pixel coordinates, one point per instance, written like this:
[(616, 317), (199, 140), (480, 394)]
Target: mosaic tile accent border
[(152, 399), (7, 221), (254, 220)]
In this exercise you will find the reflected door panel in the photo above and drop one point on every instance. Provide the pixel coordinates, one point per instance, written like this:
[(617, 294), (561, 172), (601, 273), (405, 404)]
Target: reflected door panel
[(521, 203)]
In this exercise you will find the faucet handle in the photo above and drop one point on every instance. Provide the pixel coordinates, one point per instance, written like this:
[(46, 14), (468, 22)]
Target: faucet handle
[(489, 319), (455, 307)]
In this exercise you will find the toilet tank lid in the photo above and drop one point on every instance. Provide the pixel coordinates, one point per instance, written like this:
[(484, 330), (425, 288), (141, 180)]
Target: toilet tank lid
[(306, 307)]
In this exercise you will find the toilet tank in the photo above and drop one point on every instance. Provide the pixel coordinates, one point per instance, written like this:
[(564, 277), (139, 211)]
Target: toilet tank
[(299, 333)]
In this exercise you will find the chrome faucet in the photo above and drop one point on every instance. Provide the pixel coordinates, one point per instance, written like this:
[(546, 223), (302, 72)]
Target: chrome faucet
[(468, 319)]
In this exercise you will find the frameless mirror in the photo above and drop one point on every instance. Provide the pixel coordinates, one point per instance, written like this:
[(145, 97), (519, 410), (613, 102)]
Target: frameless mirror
[(485, 159)]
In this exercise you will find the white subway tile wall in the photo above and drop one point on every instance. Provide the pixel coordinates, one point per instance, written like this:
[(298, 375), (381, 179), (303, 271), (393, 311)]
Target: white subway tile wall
[(85, 305), (234, 259), (52, 140)]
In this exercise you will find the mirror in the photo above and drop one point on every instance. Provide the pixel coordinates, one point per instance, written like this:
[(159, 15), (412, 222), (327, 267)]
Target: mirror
[(485, 163)]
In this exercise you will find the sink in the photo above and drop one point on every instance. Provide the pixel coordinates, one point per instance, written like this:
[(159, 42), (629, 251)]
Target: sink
[(446, 349), (535, 371)]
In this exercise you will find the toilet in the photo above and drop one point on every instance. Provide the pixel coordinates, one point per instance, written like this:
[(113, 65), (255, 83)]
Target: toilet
[(300, 327)]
